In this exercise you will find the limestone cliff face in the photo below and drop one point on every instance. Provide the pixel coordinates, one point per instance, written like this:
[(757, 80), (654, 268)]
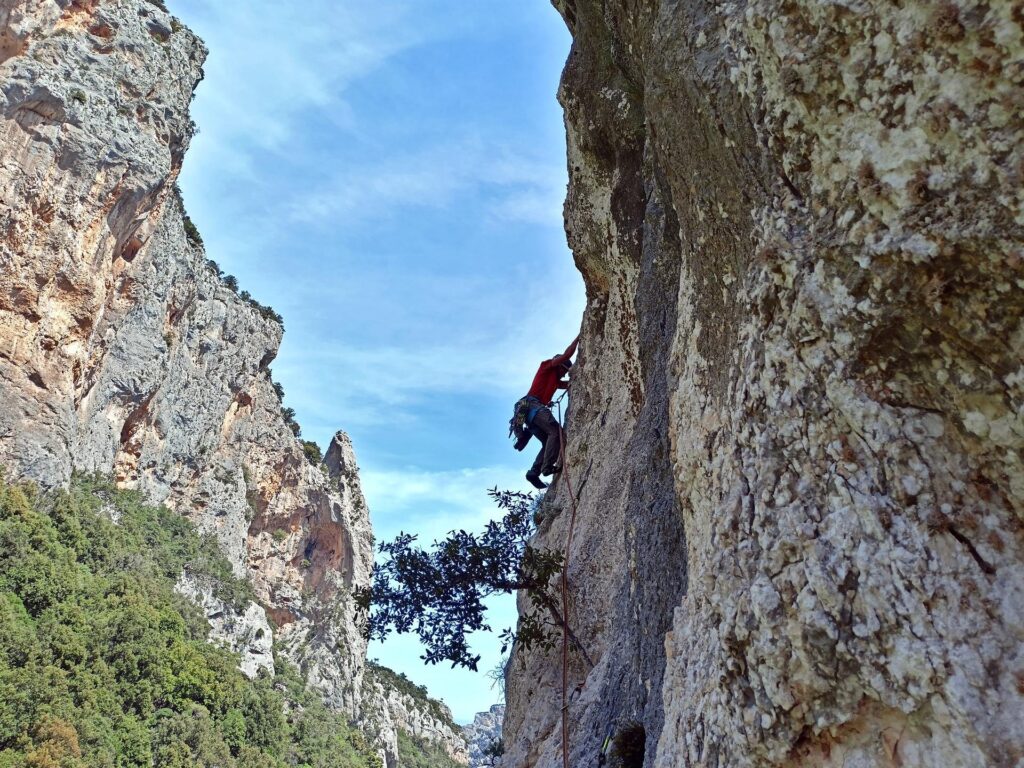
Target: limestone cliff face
[(797, 422), (246, 632), (387, 709), (122, 350), (483, 734)]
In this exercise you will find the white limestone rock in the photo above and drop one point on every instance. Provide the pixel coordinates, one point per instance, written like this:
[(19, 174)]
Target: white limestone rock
[(245, 632), (795, 419), (387, 710), (482, 734)]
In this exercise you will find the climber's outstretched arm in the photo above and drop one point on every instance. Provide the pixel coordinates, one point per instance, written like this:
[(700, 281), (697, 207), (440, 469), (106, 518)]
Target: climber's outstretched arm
[(569, 352)]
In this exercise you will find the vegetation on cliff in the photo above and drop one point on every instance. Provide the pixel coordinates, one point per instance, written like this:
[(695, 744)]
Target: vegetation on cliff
[(103, 664), (418, 753), (399, 682), (439, 594)]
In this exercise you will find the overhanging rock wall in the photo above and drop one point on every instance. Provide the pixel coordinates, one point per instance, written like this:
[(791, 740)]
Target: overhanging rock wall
[(797, 423)]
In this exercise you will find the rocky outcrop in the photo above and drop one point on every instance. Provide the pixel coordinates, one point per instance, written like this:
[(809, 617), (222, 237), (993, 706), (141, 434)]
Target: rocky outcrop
[(393, 703), (122, 350), (796, 424), (483, 734), (245, 632)]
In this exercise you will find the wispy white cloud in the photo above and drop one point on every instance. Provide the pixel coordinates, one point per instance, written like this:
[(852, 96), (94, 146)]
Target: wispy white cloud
[(268, 67), (459, 497), (388, 384), (539, 205), (524, 187)]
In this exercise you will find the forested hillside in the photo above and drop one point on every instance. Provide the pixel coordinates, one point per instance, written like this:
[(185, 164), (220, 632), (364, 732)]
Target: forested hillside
[(103, 664)]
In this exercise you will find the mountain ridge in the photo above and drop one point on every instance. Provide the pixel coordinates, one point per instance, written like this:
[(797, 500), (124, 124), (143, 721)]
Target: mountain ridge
[(124, 350)]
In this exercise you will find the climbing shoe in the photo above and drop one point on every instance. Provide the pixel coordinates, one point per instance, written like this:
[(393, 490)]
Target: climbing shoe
[(534, 480), (553, 470)]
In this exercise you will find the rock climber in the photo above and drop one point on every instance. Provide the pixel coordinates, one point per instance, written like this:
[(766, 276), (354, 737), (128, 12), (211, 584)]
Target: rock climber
[(533, 415)]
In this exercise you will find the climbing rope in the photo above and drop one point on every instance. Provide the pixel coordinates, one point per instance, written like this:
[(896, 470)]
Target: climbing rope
[(565, 587)]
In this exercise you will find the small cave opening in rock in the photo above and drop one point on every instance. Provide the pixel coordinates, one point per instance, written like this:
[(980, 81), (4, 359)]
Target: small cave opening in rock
[(627, 747)]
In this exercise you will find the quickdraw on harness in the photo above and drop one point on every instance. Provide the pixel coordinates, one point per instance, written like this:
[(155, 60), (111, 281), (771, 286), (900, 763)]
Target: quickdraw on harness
[(518, 424)]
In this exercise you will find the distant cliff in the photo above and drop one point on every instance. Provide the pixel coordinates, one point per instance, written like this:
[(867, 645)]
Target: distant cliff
[(123, 349), (796, 428), (484, 736)]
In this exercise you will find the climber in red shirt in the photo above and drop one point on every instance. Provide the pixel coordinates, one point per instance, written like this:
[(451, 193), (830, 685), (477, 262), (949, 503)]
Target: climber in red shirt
[(539, 420)]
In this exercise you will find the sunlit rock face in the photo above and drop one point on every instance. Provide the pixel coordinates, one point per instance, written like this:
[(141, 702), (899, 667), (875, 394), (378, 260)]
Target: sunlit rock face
[(483, 735), (245, 632), (123, 351), (388, 710), (797, 424)]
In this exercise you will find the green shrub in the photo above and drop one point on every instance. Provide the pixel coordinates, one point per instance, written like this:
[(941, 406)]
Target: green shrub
[(417, 753), (192, 233), (312, 451), (288, 414), (267, 313), (493, 751), (103, 664)]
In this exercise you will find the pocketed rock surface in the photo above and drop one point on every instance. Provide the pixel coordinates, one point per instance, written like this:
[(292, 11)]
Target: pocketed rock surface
[(796, 423)]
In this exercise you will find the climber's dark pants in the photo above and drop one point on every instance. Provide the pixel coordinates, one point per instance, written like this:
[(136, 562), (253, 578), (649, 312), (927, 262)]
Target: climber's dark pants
[(546, 429)]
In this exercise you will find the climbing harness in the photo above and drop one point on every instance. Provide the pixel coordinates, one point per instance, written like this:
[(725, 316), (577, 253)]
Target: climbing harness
[(565, 586), (523, 413)]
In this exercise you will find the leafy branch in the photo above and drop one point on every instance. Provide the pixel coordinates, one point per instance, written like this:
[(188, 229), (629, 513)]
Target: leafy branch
[(439, 593)]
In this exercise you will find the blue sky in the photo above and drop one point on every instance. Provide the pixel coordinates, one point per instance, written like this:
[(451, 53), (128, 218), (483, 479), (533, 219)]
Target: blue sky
[(389, 176)]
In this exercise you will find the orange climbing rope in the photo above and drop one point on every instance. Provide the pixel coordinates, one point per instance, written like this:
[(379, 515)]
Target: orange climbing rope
[(565, 589)]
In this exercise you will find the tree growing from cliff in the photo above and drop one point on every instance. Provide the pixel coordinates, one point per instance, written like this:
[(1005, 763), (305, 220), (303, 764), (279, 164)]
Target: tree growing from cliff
[(439, 593)]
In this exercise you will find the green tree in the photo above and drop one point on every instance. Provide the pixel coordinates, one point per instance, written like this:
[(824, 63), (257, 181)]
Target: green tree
[(439, 594), (103, 664), (264, 718)]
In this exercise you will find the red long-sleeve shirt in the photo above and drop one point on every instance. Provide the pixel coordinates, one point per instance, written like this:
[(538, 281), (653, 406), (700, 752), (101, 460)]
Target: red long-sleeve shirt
[(549, 375), (547, 380)]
